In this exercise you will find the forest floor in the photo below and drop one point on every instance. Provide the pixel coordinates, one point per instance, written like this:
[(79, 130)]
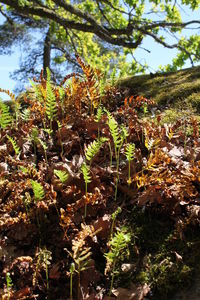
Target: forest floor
[(101, 203)]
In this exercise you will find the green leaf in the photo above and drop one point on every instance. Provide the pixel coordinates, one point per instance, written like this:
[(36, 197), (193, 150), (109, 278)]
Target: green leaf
[(94, 148), (14, 144), (51, 105), (38, 190), (86, 173), (5, 116), (62, 175), (114, 130), (130, 150), (99, 114)]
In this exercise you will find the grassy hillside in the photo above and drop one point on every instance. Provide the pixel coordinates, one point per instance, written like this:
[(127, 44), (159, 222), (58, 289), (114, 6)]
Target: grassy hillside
[(179, 89)]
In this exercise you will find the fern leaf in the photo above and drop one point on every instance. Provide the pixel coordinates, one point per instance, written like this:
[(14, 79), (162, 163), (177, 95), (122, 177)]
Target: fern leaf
[(99, 114), (86, 173), (94, 148), (14, 144), (38, 190), (130, 150), (125, 133), (44, 146), (62, 175), (37, 90), (25, 115), (113, 126), (5, 116), (51, 105)]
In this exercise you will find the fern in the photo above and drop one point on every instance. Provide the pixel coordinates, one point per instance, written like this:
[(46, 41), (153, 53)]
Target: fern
[(25, 115), (62, 175), (34, 134), (37, 90), (9, 284), (118, 251), (14, 144), (99, 114), (98, 118), (5, 116), (94, 148), (51, 105), (130, 150), (87, 178), (44, 146), (86, 173), (113, 127), (118, 139), (125, 133), (38, 190)]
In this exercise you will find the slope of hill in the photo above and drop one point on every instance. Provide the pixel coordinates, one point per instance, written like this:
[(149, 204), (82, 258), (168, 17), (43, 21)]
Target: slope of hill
[(179, 89)]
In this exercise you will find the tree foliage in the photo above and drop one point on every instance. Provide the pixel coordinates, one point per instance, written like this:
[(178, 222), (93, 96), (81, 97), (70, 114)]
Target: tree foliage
[(105, 33)]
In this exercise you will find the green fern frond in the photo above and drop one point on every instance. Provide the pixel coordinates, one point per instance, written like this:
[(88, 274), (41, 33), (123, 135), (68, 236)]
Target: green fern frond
[(118, 247), (37, 90), (25, 115), (130, 150), (86, 173), (59, 124), (9, 283), (5, 116), (99, 114), (34, 134), (44, 146), (38, 190), (51, 105), (62, 175), (113, 126), (14, 144), (94, 148), (125, 133)]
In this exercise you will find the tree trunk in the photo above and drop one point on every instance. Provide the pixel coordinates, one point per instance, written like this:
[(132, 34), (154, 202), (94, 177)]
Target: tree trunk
[(47, 53)]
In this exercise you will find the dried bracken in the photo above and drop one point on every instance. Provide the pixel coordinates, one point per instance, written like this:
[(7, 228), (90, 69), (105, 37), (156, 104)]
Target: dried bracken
[(60, 154)]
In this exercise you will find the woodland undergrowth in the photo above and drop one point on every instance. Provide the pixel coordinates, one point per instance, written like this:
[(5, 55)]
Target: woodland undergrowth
[(96, 199)]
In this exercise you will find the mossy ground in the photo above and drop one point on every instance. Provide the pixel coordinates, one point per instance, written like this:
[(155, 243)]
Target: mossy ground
[(165, 254), (178, 90)]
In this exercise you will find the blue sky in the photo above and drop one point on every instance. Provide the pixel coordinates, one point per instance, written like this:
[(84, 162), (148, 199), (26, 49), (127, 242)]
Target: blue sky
[(158, 56)]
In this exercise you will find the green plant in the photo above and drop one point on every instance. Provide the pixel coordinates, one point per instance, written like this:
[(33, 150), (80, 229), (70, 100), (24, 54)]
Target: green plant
[(9, 284), (93, 148), (44, 146), (36, 140), (37, 91), (118, 251), (27, 201), (114, 216), (98, 118), (25, 114), (80, 254), (61, 92), (51, 105), (14, 144), (38, 190), (61, 143), (72, 269), (130, 150), (87, 178), (118, 139), (44, 258), (5, 116), (62, 175), (124, 133)]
